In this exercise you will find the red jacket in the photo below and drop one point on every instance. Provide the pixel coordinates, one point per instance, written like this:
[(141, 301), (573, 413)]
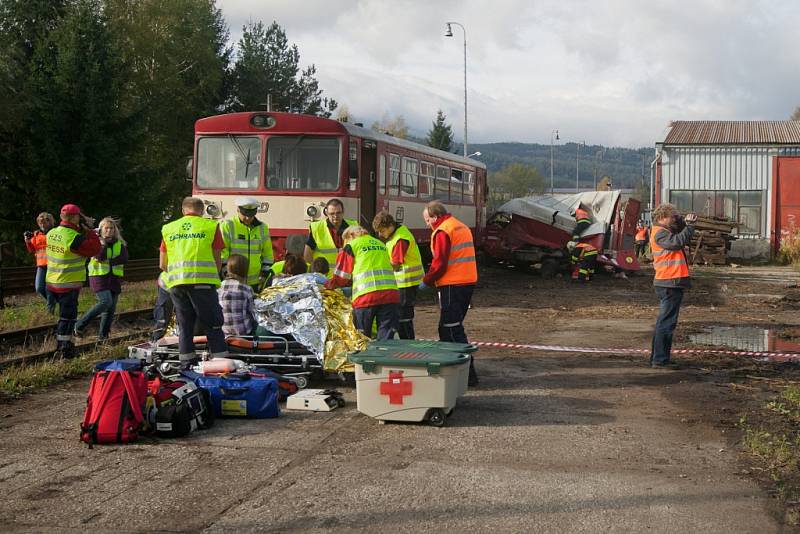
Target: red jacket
[(345, 262), (441, 253)]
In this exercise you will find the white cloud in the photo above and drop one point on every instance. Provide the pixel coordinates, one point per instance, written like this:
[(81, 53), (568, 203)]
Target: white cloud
[(611, 72)]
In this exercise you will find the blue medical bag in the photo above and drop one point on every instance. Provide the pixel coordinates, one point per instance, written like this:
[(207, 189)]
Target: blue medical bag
[(254, 397)]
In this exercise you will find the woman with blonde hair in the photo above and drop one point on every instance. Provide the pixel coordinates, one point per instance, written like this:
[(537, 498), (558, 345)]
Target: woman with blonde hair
[(105, 275)]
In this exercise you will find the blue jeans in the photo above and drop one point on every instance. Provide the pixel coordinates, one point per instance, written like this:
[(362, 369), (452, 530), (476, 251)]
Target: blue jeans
[(162, 312), (388, 319), (105, 307), (669, 305), (40, 284)]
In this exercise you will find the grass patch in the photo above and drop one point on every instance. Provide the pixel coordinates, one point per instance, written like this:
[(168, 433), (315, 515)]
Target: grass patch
[(774, 441), (30, 310), (20, 379)]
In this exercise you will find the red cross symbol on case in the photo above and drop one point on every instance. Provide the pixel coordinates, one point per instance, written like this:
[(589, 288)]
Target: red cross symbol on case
[(396, 388)]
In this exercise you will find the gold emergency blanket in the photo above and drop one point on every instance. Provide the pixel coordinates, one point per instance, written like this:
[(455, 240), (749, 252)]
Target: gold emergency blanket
[(320, 319)]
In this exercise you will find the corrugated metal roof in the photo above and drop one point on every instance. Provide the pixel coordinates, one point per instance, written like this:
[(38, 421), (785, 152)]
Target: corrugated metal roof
[(733, 133)]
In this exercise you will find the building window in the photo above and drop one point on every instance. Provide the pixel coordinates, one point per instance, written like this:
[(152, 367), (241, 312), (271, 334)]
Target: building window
[(408, 188), (743, 207), (427, 174)]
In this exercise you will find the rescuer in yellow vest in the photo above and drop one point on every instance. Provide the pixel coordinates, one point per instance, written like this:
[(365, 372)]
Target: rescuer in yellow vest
[(668, 237), (191, 256), (105, 277), (244, 234), (407, 264), (454, 272), (364, 263), (325, 236), (68, 246)]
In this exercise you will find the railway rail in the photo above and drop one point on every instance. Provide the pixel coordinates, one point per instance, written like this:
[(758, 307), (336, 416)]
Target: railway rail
[(18, 337), (19, 280)]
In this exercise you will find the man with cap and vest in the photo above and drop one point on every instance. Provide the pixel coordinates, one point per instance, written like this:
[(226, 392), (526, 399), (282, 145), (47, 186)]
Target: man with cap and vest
[(364, 263), (640, 240), (325, 236), (668, 239), (191, 257), (68, 246), (583, 257), (454, 272), (582, 221), (244, 234), (407, 264)]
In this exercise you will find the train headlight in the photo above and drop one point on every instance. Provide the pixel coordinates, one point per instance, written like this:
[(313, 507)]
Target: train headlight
[(312, 211), (212, 210)]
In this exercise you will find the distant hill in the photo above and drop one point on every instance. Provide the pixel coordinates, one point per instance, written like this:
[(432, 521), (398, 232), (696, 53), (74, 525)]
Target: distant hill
[(623, 165)]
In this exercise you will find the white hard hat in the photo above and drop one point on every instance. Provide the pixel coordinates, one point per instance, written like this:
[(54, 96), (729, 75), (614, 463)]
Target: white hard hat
[(571, 245), (247, 202)]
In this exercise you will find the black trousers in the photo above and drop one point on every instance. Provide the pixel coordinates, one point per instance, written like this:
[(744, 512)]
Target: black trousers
[(193, 303), (453, 307), (386, 315), (67, 315), (408, 299)]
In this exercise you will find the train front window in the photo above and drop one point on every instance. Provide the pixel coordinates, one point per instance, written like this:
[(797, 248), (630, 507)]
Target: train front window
[(231, 162), (303, 162)]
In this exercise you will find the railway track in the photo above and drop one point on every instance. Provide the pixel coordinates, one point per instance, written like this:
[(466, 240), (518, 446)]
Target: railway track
[(19, 337)]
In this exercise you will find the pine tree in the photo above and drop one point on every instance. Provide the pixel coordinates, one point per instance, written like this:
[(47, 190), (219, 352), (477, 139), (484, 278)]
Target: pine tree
[(441, 134), (267, 71)]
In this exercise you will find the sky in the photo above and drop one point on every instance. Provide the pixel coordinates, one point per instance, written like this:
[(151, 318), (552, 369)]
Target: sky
[(611, 72)]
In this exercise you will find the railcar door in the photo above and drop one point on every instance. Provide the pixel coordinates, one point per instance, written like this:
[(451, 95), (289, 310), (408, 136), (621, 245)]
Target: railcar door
[(369, 168)]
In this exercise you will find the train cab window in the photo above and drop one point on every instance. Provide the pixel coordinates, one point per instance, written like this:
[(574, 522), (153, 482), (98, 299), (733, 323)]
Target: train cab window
[(382, 176), (300, 162), (408, 186), (427, 174), (469, 187), (442, 191), (231, 162), (394, 174), (456, 183)]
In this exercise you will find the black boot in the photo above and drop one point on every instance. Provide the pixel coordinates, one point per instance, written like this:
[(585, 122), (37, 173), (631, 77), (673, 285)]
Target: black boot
[(473, 376)]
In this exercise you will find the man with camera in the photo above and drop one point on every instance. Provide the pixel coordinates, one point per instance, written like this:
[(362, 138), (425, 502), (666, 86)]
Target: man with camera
[(68, 247), (669, 236)]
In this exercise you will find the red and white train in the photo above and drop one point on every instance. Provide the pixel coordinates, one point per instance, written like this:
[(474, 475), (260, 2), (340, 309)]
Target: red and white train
[(295, 163)]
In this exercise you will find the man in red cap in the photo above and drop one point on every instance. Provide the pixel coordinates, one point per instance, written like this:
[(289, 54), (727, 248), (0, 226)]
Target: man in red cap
[(68, 247)]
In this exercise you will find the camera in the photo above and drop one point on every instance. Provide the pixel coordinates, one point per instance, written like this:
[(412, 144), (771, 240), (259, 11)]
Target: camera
[(28, 234)]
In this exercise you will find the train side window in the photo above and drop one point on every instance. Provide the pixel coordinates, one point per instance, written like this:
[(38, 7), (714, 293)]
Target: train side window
[(394, 174), (382, 175), (352, 166), (442, 191), (469, 187), (456, 182), (408, 188), (427, 174)]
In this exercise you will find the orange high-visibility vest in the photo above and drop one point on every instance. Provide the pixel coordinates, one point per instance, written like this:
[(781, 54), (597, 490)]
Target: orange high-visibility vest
[(39, 243), (641, 234), (582, 215), (669, 264), (461, 266)]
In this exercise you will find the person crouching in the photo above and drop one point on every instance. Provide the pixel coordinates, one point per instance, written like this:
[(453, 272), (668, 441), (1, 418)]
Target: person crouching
[(236, 299), (364, 263)]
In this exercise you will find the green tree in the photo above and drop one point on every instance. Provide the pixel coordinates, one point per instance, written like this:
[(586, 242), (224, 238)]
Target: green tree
[(516, 180), (395, 127), (267, 71), (441, 134)]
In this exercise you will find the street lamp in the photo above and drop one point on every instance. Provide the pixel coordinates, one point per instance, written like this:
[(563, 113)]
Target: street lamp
[(449, 33), (477, 154), (578, 165), (551, 158)]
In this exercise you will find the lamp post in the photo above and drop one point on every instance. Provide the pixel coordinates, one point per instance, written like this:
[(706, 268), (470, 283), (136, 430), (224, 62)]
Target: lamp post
[(578, 165), (554, 132), (449, 33)]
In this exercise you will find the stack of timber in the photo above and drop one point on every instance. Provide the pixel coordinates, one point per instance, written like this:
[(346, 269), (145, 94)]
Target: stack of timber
[(710, 242)]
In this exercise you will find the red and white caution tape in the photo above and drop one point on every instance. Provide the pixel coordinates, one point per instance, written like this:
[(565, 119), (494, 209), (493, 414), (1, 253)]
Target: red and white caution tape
[(770, 356)]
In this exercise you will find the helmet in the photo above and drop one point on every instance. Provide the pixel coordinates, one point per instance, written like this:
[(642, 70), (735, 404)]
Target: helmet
[(571, 245)]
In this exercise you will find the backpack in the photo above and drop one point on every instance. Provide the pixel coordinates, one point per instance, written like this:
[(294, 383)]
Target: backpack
[(181, 410), (114, 404)]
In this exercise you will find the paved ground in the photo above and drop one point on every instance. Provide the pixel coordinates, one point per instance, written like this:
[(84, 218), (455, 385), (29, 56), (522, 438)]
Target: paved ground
[(548, 443)]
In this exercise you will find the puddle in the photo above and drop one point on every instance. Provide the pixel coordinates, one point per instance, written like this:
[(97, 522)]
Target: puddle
[(748, 338)]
